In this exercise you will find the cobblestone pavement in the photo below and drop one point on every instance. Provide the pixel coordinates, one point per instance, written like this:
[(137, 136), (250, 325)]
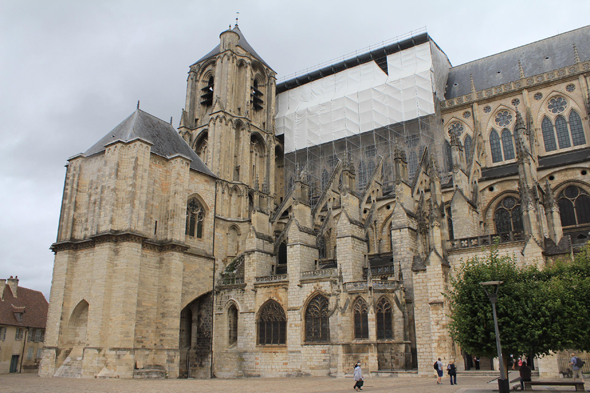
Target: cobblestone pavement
[(31, 383)]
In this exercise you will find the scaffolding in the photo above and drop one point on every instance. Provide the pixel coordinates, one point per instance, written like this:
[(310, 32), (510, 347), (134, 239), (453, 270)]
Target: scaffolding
[(360, 109)]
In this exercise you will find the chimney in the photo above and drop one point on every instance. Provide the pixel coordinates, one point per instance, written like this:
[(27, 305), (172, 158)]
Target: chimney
[(2, 286), (13, 284)]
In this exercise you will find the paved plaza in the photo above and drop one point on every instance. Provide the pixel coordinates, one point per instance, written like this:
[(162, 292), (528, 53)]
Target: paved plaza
[(31, 383)]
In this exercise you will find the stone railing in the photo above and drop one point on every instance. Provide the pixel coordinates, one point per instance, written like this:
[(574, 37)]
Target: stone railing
[(229, 280), (333, 272), (385, 285), (486, 240), (517, 85), (388, 270), (355, 286), (275, 278)]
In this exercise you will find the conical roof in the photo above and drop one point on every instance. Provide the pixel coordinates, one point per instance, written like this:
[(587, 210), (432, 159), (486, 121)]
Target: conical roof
[(241, 43), (165, 139)]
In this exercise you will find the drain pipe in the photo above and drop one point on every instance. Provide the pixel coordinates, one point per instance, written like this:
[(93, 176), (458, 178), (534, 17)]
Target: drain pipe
[(211, 374)]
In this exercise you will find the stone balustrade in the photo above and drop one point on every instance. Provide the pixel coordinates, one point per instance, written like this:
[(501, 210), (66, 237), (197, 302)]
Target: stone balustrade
[(320, 273), (486, 240)]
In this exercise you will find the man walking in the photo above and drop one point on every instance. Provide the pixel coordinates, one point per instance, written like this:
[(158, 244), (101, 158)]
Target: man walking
[(577, 365), (439, 371)]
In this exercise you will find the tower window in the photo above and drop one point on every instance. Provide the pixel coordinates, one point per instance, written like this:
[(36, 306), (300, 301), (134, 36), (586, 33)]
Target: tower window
[(195, 214), (256, 97), (207, 96)]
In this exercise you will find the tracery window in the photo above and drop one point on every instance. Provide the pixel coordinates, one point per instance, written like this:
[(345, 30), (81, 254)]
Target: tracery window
[(507, 144), (412, 164), (568, 134), (557, 105), (195, 215), (272, 324), (448, 157), (468, 143), (361, 320), (508, 216), (574, 206), (456, 128), (502, 149), (317, 322), (384, 319), (322, 248), (495, 146), (503, 118), (232, 324)]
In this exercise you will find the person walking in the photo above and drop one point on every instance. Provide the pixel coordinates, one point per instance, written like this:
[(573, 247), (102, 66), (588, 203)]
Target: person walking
[(358, 377), (438, 366), (452, 370), (577, 365), (525, 374)]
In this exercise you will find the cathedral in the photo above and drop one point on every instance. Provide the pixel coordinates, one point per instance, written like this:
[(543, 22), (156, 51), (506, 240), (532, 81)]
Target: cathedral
[(293, 228)]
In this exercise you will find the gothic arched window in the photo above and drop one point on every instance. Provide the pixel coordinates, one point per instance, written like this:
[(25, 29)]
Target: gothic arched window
[(508, 216), (563, 134), (495, 146), (325, 179), (577, 129), (195, 215), (574, 206), (548, 135), (448, 157), (468, 143), (412, 165), (317, 322), (201, 146), (232, 324), (362, 175), (322, 247), (384, 319), (507, 144), (272, 324), (361, 319), (207, 93)]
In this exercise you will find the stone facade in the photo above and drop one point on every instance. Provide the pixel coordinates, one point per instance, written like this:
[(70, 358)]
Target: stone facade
[(199, 262)]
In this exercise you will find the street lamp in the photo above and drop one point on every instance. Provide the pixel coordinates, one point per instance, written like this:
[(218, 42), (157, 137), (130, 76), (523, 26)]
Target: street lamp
[(503, 384)]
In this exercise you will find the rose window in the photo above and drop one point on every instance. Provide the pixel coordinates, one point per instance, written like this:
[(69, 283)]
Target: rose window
[(557, 105), (503, 118)]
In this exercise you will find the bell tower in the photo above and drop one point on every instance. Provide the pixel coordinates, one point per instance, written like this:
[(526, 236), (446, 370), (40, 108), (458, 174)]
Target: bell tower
[(229, 113)]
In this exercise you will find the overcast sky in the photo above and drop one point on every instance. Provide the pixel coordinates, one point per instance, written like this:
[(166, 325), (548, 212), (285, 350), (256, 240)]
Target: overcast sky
[(70, 71)]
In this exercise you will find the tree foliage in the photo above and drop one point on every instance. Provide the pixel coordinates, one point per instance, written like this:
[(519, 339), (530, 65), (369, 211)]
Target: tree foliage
[(539, 310)]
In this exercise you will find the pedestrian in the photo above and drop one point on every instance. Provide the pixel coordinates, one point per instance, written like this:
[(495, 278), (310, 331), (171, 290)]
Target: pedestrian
[(476, 361), (438, 366), (452, 370), (358, 377), (577, 365), (525, 374)]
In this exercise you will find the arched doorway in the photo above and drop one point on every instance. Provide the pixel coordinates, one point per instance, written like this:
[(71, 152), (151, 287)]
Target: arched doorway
[(195, 338)]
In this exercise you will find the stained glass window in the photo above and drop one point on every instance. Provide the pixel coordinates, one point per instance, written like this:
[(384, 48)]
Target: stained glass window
[(195, 214), (487, 109), (538, 96), (456, 128), (322, 248), (232, 322), (468, 142), (361, 320), (557, 105), (571, 87), (412, 164), (577, 130), (384, 319), (548, 135), (272, 324), (563, 135), (448, 157), (495, 146), (507, 144), (508, 216), (317, 322), (574, 206), (503, 118)]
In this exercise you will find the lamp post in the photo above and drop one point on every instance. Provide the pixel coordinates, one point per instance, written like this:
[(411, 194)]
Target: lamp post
[(503, 384)]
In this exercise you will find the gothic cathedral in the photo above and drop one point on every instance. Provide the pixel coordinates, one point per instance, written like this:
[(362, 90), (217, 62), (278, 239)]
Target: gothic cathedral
[(292, 229)]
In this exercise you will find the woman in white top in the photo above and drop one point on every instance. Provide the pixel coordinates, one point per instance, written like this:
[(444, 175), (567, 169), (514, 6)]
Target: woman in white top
[(358, 376)]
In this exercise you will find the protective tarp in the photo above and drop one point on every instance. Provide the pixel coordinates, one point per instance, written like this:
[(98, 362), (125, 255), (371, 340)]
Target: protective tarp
[(360, 114)]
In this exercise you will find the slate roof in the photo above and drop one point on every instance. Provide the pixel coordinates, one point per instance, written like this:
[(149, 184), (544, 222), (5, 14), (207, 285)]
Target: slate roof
[(242, 43), (31, 303), (536, 58), (165, 139)]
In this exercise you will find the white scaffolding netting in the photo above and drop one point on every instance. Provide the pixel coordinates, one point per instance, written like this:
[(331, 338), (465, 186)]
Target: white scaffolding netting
[(361, 112)]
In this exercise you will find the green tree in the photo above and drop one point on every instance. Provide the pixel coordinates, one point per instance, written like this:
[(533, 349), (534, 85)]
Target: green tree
[(539, 311)]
